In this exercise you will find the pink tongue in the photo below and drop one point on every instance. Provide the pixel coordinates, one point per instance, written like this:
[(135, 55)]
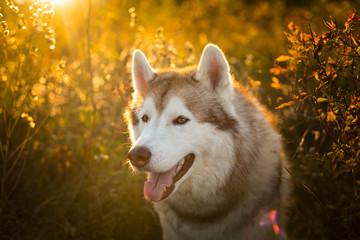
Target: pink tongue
[(154, 186)]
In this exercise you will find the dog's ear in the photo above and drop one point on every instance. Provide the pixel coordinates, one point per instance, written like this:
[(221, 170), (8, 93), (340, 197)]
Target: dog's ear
[(213, 70), (141, 73)]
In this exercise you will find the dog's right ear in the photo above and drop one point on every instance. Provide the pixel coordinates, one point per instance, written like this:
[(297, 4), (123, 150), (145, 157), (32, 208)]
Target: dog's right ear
[(141, 73)]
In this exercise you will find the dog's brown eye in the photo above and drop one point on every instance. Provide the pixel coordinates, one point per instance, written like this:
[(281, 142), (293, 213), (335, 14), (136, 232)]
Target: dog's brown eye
[(181, 120), (145, 118)]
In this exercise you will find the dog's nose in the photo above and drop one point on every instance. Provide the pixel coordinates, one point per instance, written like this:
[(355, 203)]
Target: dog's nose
[(139, 156)]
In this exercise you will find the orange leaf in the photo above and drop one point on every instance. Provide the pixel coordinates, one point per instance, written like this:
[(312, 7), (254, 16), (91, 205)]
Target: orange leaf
[(253, 82), (291, 38), (352, 17), (283, 58), (330, 117), (291, 25), (285, 105), (355, 41), (275, 84), (276, 70), (355, 120)]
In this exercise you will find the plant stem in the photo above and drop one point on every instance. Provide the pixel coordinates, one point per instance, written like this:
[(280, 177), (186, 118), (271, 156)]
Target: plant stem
[(93, 103)]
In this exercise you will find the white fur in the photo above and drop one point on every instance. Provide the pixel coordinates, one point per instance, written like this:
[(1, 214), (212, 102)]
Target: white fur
[(166, 141)]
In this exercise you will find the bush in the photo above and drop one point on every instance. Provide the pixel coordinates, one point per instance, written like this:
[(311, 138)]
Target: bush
[(65, 81), (321, 77)]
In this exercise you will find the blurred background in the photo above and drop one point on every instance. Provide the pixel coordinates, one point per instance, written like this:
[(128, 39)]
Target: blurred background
[(65, 82)]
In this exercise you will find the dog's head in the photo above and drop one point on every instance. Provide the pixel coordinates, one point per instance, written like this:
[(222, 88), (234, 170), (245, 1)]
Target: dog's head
[(175, 117)]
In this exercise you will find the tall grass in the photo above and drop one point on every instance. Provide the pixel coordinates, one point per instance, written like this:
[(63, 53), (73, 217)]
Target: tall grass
[(65, 81)]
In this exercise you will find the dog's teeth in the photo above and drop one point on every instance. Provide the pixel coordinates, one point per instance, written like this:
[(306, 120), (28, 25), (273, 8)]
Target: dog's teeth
[(164, 188), (182, 162), (178, 167)]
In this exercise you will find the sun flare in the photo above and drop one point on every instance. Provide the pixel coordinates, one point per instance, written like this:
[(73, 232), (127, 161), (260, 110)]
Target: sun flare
[(59, 2)]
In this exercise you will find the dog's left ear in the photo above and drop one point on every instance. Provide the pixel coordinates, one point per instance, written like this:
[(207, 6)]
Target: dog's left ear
[(213, 71)]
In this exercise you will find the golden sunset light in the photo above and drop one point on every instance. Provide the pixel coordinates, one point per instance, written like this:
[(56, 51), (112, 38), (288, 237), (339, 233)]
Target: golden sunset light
[(179, 119), (60, 2)]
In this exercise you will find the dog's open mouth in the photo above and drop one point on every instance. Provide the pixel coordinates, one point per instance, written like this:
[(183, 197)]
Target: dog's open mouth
[(160, 185)]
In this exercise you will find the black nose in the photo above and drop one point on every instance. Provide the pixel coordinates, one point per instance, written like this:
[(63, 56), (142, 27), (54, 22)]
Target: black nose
[(139, 156)]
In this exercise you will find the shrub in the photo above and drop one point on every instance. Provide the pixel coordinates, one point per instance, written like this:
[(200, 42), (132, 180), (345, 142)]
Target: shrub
[(321, 77), (63, 139)]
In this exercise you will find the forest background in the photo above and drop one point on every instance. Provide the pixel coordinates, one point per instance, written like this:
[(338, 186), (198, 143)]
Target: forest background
[(65, 81)]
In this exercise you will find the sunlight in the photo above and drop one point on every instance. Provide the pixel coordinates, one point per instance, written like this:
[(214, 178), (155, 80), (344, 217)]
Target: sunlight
[(59, 2)]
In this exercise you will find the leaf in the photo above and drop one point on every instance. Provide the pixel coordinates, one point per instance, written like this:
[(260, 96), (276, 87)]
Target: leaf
[(354, 41), (276, 70), (275, 79), (330, 116), (321, 99), (275, 84), (291, 25), (283, 58), (355, 120), (330, 24), (352, 17), (331, 61), (291, 38), (290, 103), (253, 82), (305, 37)]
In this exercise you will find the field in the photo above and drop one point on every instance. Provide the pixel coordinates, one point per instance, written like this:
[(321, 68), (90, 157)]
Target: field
[(65, 81)]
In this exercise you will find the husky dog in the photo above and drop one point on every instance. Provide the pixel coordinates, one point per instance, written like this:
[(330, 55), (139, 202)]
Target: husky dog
[(215, 164)]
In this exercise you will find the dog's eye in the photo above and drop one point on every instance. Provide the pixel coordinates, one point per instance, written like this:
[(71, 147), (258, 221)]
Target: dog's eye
[(145, 118), (181, 120)]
